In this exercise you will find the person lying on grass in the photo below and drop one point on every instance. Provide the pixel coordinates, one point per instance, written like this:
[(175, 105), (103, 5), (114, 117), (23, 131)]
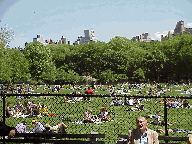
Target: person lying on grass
[(137, 108), (157, 120), (61, 127), (38, 127)]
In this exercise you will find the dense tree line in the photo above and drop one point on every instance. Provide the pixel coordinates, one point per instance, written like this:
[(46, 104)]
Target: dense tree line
[(119, 59)]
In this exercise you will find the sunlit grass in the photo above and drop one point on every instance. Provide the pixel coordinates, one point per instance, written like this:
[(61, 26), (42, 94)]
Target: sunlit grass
[(122, 120)]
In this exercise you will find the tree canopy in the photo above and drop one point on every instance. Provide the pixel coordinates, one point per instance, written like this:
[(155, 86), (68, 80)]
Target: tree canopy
[(119, 59)]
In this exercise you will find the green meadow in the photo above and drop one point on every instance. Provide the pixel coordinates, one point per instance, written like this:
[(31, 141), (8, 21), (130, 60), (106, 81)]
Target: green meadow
[(122, 121)]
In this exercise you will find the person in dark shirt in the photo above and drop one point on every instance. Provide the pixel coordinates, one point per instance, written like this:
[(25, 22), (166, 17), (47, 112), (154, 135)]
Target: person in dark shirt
[(6, 130)]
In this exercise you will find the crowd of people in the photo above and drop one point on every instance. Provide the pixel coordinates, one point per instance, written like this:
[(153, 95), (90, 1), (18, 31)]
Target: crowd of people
[(21, 127), (137, 104), (28, 109), (103, 116)]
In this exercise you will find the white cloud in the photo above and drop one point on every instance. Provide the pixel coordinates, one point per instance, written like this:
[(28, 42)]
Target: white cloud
[(158, 34), (152, 38), (189, 25), (171, 31)]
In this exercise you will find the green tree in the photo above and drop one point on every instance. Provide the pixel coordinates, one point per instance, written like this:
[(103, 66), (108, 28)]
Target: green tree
[(139, 75), (18, 65), (178, 50), (107, 76), (68, 76), (60, 54), (5, 72), (42, 67)]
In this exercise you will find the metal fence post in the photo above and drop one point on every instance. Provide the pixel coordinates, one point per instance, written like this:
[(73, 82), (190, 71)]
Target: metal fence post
[(3, 97), (165, 118)]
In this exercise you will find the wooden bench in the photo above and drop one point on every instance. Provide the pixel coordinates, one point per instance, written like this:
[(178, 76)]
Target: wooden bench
[(53, 138), (123, 139)]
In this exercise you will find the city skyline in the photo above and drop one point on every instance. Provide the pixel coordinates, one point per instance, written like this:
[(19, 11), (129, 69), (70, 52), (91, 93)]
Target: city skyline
[(107, 18)]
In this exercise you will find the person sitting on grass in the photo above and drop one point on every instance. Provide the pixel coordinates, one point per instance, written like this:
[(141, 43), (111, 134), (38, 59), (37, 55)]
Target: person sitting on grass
[(19, 107), (186, 104), (36, 111), (21, 127), (169, 90), (33, 104), (156, 117), (120, 102), (104, 106), (28, 109), (9, 112), (44, 110), (104, 115), (88, 117), (129, 101), (114, 102)]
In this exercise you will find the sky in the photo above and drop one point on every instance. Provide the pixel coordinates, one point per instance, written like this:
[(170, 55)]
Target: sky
[(108, 18)]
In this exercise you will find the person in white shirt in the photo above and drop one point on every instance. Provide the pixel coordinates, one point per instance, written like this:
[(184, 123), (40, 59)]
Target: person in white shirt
[(38, 126), (88, 117)]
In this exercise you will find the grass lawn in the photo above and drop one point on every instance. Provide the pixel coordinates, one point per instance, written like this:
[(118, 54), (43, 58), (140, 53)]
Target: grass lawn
[(122, 120)]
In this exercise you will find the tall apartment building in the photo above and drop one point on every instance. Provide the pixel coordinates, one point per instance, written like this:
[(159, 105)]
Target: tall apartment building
[(50, 41), (63, 40), (169, 35), (89, 36), (179, 30), (143, 37), (38, 38)]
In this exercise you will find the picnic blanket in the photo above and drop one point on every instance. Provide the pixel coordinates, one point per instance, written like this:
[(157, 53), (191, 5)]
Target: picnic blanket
[(81, 122)]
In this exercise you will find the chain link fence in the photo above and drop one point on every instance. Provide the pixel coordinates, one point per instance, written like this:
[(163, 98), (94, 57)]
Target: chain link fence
[(168, 115)]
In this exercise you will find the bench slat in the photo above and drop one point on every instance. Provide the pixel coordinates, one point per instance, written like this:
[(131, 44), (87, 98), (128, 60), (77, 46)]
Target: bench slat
[(57, 135), (169, 138), (50, 141), (173, 138)]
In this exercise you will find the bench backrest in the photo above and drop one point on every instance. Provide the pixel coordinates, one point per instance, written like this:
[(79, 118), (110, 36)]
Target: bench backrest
[(165, 138), (49, 138)]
